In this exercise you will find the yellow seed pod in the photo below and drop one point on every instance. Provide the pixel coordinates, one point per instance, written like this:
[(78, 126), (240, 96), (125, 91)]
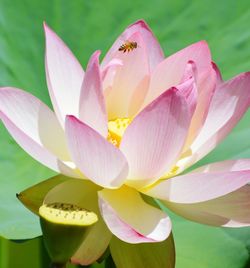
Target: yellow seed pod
[(67, 214), (64, 227)]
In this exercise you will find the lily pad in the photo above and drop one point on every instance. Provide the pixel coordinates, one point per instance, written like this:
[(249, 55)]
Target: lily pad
[(208, 247)]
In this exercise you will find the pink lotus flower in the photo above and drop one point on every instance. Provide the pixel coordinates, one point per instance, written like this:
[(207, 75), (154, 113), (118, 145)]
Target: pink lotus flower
[(130, 126)]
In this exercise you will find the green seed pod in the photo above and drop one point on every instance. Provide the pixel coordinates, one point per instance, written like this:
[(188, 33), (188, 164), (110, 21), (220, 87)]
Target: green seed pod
[(64, 227)]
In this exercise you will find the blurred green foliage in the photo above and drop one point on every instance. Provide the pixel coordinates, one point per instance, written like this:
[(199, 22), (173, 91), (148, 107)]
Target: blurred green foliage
[(89, 25)]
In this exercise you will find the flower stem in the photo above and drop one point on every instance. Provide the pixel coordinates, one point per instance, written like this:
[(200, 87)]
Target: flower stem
[(58, 265)]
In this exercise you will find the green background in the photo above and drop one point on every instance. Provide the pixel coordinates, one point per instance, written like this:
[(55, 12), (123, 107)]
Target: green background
[(90, 25)]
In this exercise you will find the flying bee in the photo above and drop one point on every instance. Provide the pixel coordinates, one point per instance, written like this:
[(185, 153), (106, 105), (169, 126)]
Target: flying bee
[(128, 46)]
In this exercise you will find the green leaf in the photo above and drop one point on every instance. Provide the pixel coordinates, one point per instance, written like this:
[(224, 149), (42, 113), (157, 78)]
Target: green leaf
[(13, 254), (145, 255)]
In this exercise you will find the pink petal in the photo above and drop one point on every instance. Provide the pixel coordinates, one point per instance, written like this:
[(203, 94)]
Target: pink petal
[(153, 141), (154, 52), (108, 74), (126, 79), (199, 187), (231, 210), (188, 87), (229, 103), (206, 85), (113, 63), (138, 96), (130, 218), (99, 160), (35, 128), (92, 105), (189, 71), (64, 76), (170, 72)]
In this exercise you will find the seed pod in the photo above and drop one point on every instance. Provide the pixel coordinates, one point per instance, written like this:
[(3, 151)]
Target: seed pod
[(64, 227)]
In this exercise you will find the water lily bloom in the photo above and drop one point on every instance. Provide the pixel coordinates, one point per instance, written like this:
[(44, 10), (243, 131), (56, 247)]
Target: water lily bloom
[(127, 129)]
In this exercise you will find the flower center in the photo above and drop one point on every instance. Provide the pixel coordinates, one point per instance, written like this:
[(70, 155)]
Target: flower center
[(116, 129)]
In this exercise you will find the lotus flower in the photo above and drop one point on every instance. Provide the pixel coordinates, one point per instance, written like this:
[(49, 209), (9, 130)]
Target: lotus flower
[(128, 128)]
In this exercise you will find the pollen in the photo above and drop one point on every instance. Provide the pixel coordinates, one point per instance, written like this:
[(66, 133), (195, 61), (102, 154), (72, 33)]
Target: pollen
[(116, 129), (69, 214), (171, 173)]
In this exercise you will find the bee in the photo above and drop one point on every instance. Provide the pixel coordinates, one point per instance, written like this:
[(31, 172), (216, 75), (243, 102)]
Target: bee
[(127, 46)]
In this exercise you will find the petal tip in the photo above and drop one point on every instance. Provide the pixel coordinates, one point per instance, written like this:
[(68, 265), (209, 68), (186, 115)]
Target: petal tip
[(71, 118), (217, 71), (46, 28), (247, 74), (97, 53), (140, 23), (203, 44), (44, 24), (94, 59), (50, 34)]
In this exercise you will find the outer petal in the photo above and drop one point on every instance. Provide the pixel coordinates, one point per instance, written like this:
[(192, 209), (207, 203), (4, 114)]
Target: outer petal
[(35, 128), (154, 139), (130, 218), (92, 106), (229, 103), (126, 79), (64, 76), (231, 210), (154, 51), (98, 159), (146, 255), (169, 72), (205, 183), (84, 194)]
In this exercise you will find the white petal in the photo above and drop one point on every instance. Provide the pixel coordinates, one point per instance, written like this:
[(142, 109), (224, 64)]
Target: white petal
[(64, 76)]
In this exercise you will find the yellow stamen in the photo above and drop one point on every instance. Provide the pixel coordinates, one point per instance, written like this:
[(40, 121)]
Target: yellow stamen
[(116, 129), (173, 172)]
